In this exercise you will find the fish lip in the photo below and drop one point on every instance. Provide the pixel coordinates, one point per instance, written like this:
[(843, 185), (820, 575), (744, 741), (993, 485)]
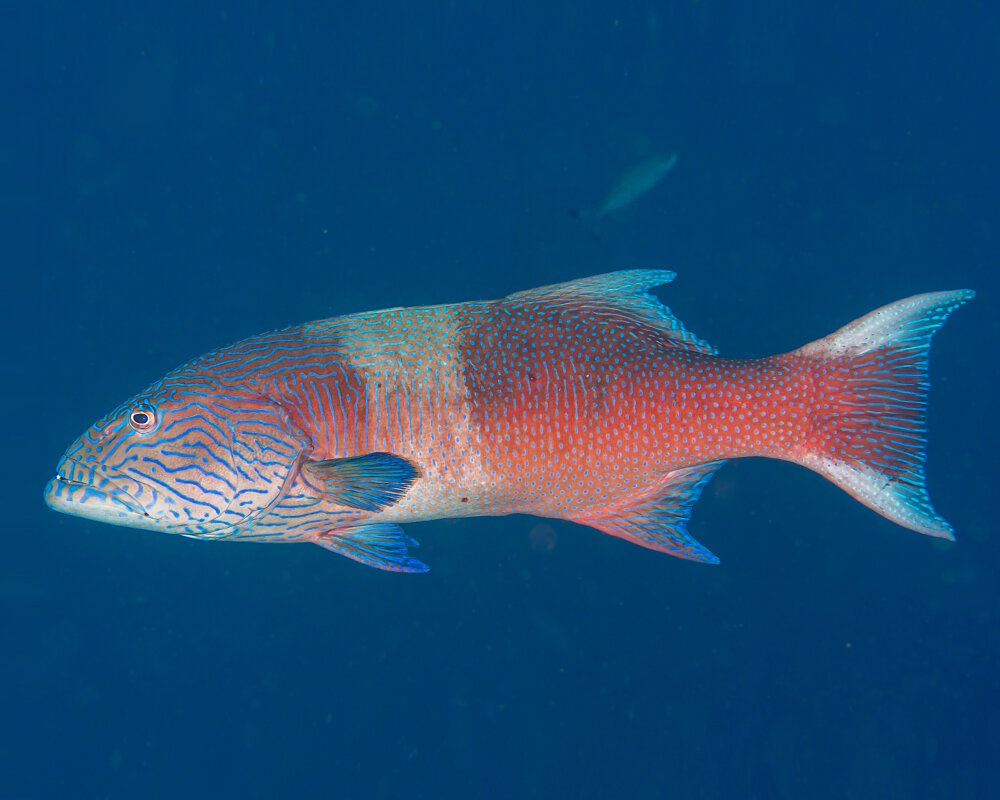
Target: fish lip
[(117, 495)]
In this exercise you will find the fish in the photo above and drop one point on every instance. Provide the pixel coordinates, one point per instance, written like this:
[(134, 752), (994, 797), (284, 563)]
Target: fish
[(586, 401), (636, 182)]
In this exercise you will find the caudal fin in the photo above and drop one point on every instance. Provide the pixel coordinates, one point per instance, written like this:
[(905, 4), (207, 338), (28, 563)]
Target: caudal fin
[(869, 432)]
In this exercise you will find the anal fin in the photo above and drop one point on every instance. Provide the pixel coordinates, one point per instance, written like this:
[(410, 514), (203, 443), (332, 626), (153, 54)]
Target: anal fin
[(378, 544), (661, 524)]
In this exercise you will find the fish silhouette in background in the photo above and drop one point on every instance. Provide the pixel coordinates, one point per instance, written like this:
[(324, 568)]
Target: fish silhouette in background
[(586, 401), (642, 178)]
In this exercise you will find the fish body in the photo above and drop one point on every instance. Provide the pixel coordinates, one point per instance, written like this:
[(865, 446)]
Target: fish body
[(643, 177), (585, 401)]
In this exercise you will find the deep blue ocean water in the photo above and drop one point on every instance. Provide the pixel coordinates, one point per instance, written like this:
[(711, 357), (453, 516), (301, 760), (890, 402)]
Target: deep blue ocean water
[(178, 176)]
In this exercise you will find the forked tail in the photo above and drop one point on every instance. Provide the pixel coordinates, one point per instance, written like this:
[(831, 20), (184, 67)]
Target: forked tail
[(869, 434)]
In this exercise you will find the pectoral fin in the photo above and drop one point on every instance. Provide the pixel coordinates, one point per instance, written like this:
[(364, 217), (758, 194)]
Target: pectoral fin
[(662, 524), (380, 544), (370, 482)]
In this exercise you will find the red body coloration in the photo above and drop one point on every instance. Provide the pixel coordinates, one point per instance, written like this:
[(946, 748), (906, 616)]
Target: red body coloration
[(585, 410), (590, 411)]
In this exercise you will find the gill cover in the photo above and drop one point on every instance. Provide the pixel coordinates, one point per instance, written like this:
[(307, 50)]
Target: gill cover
[(266, 451)]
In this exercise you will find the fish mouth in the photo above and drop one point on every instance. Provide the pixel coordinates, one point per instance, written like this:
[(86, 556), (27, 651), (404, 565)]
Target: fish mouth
[(101, 499)]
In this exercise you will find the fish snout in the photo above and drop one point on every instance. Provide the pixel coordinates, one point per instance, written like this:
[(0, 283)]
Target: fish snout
[(92, 491)]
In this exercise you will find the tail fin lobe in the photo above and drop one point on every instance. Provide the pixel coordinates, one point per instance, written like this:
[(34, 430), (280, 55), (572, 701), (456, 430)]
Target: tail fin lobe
[(869, 434)]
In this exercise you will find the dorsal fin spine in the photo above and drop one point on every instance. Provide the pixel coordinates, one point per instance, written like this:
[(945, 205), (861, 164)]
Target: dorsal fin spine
[(625, 292)]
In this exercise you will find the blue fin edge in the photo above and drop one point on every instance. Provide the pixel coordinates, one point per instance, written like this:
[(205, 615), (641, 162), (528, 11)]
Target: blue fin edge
[(382, 545)]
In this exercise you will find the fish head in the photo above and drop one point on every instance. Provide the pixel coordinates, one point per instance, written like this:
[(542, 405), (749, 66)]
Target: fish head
[(190, 459)]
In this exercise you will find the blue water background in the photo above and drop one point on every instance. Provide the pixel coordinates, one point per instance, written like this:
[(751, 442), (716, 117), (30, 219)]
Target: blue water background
[(178, 176)]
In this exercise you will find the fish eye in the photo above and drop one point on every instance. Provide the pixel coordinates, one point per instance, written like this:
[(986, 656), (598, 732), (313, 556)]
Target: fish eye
[(142, 419)]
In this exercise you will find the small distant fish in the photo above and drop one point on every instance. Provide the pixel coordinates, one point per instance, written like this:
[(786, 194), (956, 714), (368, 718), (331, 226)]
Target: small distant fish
[(586, 401), (636, 182)]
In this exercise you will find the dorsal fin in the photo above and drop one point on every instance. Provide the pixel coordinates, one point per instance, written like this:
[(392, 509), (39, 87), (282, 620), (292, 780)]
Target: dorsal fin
[(625, 292)]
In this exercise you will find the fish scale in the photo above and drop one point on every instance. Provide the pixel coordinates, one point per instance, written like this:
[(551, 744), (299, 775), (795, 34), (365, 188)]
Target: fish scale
[(586, 401)]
